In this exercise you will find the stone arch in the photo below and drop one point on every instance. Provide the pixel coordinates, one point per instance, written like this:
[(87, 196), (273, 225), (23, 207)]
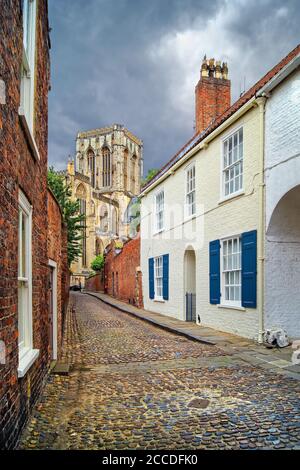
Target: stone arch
[(282, 265), (279, 181), (81, 191), (104, 218), (106, 166)]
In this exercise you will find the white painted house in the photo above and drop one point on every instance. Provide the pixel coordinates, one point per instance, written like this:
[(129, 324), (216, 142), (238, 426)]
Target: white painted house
[(282, 178), (203, 215)]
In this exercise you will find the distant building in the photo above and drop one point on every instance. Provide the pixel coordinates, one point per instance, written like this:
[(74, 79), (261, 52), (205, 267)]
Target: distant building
[(105, 177)]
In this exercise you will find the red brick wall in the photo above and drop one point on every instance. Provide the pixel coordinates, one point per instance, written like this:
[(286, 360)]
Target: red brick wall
[(57, 241), (212, 99), (19, 169), (95, 283), (122, 275)]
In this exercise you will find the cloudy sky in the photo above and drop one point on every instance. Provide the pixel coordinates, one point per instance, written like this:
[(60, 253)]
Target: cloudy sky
[(136, 62)]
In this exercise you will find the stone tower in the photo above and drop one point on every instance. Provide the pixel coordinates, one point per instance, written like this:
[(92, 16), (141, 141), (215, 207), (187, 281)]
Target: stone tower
[(105, 178), (212, 93)]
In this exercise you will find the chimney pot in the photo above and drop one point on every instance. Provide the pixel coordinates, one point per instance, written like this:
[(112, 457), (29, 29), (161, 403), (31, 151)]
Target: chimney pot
[(212, 93)]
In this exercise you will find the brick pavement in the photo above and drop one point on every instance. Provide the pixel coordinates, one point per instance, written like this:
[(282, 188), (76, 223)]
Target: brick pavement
[(133, 385)]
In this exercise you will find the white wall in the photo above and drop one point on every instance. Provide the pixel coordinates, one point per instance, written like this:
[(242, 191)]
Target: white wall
[(282, 157), (215, 219)]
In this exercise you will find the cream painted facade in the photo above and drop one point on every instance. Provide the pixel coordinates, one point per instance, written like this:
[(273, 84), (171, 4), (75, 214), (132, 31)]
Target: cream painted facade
[(105, 177), (216, 218), (192, 260)]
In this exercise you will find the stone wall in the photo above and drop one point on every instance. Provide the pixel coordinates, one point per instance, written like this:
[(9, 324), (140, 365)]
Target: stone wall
[(123, 278), (21, 170)]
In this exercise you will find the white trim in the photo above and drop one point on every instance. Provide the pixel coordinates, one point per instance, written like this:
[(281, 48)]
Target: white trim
[(28, 66), (229, 303), (26, 355), (26, 361), (28, 134), (53, 265), (232, 196), (186, 206), (239, 192), (232, 307), (157, 230)]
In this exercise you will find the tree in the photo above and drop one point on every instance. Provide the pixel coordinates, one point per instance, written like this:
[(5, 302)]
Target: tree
[(98, 263), (75, 221), (151, 173)]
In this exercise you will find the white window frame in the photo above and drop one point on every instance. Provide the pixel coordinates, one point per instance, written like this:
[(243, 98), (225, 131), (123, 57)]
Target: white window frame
[(232, 166), (224, 302), (158, 210), (27, 355), (189, 190), (26, 109), (158, 280)]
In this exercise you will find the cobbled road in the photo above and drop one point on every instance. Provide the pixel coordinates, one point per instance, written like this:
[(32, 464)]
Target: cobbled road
[(135, 386)]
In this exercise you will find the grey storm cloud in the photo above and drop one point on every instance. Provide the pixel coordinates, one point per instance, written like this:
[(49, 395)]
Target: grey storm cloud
[(136, 62)]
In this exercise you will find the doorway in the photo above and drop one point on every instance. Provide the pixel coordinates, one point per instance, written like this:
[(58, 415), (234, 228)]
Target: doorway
[(190, 285)]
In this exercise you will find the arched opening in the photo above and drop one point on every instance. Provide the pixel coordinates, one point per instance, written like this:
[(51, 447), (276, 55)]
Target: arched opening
[(81, 197), (98, 246), (114, 221), (282, 265), (190, 284), (106, 167), (91, 166), (125, 170), (133, 174), (104, 219)]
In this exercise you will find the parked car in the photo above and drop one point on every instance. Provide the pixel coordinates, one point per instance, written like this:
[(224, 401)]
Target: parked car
[(75, 287)]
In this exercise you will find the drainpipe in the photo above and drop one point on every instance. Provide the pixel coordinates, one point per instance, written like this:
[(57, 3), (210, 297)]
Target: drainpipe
[(261, 101)]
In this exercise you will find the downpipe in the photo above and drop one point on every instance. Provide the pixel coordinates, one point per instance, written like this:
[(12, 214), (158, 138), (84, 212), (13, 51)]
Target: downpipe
[(261, 101)]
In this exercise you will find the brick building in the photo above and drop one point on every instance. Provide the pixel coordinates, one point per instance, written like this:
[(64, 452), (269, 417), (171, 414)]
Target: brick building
[(58, 292), (24, 326), (123, 277)]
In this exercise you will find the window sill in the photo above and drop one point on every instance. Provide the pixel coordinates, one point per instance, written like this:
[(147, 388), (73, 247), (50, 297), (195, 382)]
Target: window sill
[(160, 300), (232, 307), (231, 196), (26, 362), (28, 134)]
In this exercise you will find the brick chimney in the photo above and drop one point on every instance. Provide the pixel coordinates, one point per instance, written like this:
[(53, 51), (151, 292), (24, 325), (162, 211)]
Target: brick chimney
[(212, 93)]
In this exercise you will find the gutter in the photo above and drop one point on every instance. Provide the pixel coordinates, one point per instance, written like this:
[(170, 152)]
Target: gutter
[(202, 144)]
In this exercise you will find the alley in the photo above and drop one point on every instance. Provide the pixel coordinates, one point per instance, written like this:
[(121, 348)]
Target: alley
[(133, 385)]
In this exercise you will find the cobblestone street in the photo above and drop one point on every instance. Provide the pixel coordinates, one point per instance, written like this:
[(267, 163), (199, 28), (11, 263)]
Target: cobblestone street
[(133, 385)]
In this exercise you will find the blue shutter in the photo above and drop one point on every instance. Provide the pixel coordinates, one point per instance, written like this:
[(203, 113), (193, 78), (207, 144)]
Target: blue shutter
[(214, 272), (166, 277), (249, 268), (151, 278)]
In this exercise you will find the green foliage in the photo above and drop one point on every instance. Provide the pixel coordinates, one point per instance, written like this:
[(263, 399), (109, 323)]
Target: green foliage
[(71, 213), (98, 263), (151, 173)]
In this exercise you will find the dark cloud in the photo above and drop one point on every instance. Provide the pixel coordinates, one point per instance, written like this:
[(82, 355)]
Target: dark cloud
[(136, 62)]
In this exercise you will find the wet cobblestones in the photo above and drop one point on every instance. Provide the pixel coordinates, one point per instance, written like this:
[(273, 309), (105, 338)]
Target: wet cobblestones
[(135, 386)]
